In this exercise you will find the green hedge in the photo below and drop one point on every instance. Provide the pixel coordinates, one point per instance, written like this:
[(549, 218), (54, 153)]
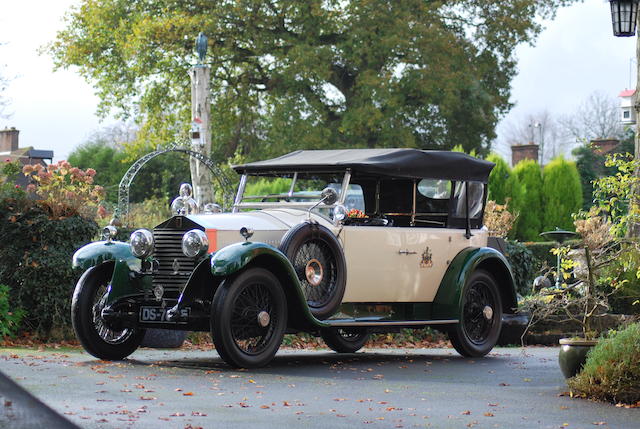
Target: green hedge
[(522, 264), (35, 262)]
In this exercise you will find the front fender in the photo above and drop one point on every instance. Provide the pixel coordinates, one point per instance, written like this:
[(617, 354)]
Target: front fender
[(447, 302), (103, 251), (233, 258)]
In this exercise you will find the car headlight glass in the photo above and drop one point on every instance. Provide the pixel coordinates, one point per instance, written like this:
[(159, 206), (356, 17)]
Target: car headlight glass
[(141, 243), (195, 243)]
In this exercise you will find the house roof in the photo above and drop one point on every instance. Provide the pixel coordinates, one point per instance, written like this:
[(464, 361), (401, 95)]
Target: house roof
[(627, 93)]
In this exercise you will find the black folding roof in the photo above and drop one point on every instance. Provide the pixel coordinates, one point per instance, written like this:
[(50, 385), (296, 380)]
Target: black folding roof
[(410, 163)]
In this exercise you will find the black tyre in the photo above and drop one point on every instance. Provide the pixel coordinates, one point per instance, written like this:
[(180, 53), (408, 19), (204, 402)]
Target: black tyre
[(344, 340), (95, 335), (248, 318), (480, 316), (318, 260)]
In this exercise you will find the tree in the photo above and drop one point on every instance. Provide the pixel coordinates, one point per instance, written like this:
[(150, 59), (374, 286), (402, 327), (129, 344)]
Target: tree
[(499, 179), (591, 165), (561, 193), (529, 223), (159, 178), (596, 118), (4, 83), (540, 128), (289, 74)]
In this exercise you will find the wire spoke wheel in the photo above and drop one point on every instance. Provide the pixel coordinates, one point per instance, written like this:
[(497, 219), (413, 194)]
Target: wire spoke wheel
[(344, 340), (95, 334), (316, 256), (109, 335), (248, 318), (478, 304), (315, 266), (246, 327), (480, 316)]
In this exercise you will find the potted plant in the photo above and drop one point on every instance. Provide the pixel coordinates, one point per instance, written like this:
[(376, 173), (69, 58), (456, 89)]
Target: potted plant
[(579, 303)]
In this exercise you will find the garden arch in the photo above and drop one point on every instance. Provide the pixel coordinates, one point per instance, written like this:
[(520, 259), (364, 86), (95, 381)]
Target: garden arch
[(123, 189)]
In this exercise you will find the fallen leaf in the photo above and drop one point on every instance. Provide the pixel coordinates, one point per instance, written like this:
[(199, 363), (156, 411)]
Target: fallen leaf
[(187, 394), (488, 414), (599, 423), (147, 398), (504, 384), (177, 414), (466, 413), (264, 407)]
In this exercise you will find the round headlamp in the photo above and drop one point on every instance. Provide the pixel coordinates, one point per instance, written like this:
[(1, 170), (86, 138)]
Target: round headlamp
[(141, 243), (195, 243)]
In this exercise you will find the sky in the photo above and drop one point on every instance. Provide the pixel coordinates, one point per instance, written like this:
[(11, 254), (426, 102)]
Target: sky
[(575, 56)]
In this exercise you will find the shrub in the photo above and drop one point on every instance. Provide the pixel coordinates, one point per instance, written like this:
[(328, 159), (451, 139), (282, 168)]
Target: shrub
[(10, 317), (522, 264), (65, 190), (612, 370), (529, 224), (499, 180), (35, 262), (498, 219), (562, 194)]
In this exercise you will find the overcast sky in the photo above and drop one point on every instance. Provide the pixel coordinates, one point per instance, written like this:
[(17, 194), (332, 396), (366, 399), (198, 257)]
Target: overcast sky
[(575, 56)]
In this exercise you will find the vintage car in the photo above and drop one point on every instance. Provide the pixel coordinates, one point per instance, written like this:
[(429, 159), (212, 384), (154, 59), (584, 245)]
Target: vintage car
[(362, 241)]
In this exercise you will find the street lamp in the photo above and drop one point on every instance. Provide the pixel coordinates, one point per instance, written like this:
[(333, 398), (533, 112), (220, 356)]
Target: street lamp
[(624, 14)]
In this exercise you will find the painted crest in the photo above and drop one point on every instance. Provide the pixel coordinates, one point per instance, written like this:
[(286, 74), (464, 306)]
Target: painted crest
[(426, 261)]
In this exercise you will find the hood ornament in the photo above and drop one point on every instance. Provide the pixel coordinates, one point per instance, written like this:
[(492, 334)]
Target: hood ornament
[(184, 204)]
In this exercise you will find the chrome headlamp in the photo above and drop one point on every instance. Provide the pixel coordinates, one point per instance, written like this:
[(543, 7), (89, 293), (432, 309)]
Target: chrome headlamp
[(195, 243), (141, 243)]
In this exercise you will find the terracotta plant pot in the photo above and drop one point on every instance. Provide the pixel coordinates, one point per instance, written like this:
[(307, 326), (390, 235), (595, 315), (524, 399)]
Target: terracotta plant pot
[(573, 355)]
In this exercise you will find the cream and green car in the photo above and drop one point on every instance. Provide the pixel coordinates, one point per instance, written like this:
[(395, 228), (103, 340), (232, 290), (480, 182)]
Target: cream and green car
[(359, 241)]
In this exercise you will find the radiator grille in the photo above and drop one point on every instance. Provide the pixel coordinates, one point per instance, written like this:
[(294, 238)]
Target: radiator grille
[(168, 253)]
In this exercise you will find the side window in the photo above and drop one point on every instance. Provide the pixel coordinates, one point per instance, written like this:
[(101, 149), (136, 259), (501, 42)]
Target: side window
[(436, 189), (476, 198)]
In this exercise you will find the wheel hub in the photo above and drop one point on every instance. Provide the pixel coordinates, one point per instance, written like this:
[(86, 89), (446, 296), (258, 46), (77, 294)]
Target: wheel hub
[(487, 312), (264, 319), (314, 272)]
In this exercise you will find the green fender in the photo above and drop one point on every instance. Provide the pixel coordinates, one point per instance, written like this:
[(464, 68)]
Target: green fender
[(235, 257), (103, 251), (447, 302)]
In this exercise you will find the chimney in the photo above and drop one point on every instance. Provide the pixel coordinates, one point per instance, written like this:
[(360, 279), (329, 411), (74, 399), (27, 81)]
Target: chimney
[(9, 139), (524, 151)]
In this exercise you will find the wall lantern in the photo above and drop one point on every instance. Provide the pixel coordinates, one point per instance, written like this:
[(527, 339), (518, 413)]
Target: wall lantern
[(624, 15)]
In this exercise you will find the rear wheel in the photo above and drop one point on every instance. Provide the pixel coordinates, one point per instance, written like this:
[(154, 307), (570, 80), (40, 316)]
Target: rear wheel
[(344, 340), (96, 336), (480, 316), (248, 318)]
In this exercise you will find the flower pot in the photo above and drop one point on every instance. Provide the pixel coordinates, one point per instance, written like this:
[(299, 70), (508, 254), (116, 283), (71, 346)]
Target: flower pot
[(573, 355)]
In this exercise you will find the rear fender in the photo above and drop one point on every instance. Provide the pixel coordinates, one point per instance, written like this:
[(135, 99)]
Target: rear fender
[(447, 302)]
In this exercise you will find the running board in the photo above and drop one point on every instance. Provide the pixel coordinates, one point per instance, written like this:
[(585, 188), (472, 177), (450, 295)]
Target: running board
[(369, 322)]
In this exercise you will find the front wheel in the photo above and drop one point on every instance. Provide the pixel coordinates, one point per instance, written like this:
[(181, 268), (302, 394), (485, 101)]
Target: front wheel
[(344, 340), (480, 316), (248, 318), (95, 335)]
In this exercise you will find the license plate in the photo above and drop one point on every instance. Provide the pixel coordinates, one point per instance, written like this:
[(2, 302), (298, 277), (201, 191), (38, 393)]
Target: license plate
[(159, 314)]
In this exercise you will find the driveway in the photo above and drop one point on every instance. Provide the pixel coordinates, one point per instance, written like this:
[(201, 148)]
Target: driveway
[(377, 388)]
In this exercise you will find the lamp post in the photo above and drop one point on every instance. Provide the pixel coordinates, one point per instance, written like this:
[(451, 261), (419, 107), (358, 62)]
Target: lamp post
[(624, 19)]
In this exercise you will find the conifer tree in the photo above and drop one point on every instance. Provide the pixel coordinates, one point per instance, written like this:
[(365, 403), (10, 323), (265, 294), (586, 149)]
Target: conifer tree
[(529, 223), (561, 193)]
